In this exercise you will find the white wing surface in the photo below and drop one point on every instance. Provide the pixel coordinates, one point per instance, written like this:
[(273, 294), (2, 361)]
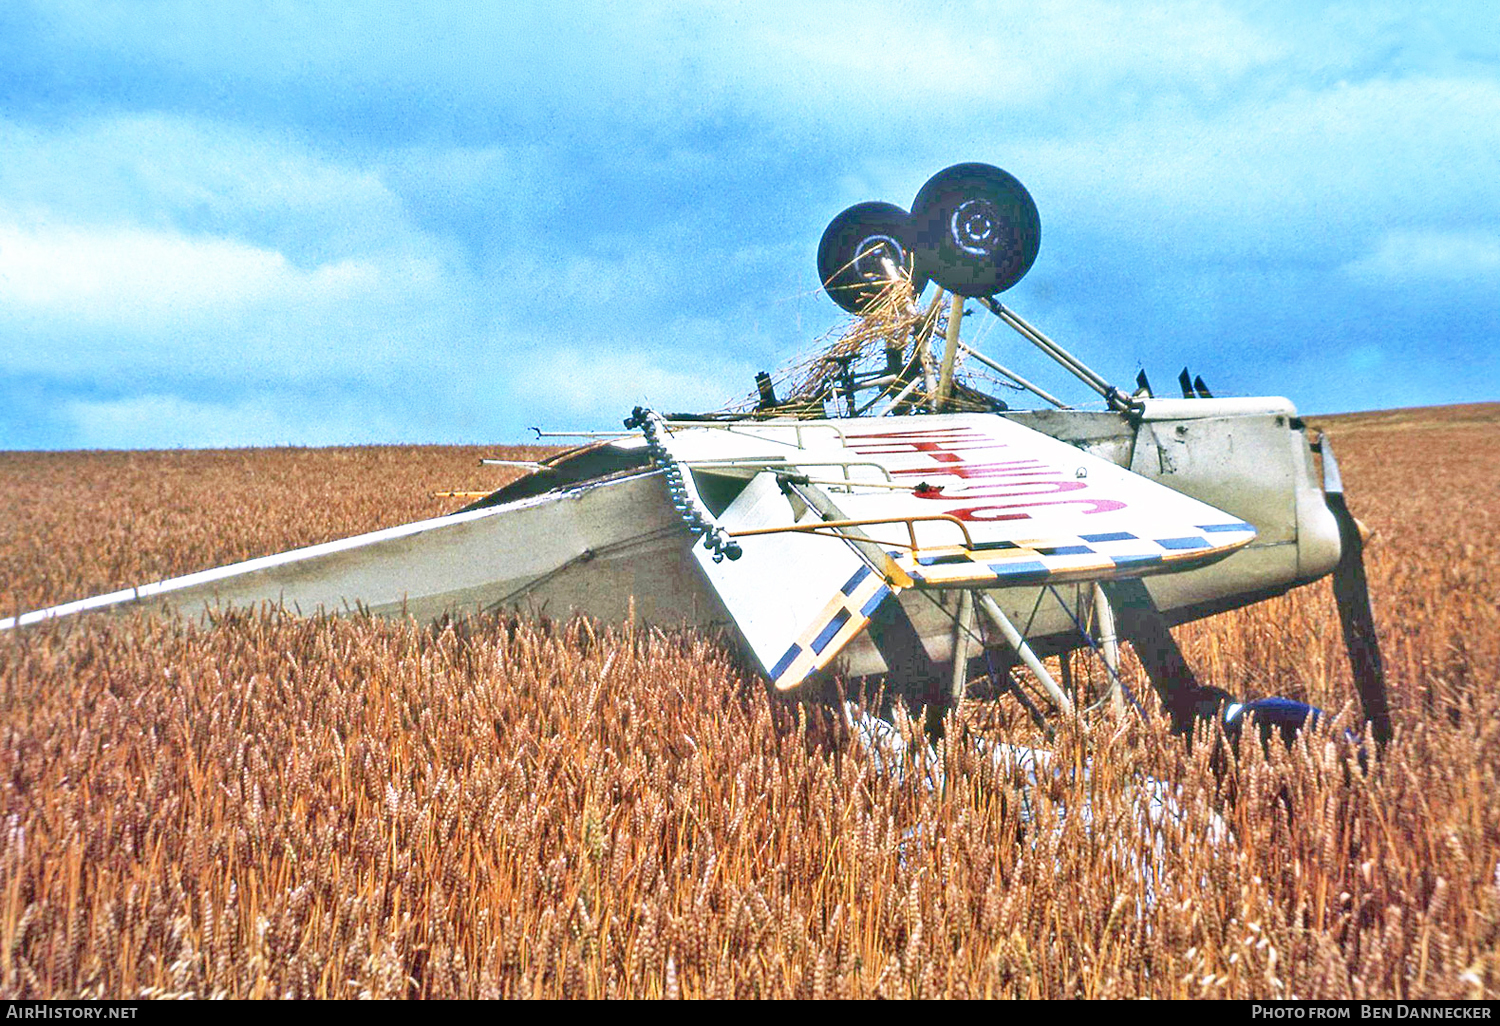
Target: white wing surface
[(798, 598), (953, 501)]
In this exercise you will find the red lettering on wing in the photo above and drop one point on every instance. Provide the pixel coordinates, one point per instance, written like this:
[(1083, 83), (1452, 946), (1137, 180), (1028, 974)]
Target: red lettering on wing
[(936, 442), (985, 514), (908, 448), (923, 434), (1012, 468)]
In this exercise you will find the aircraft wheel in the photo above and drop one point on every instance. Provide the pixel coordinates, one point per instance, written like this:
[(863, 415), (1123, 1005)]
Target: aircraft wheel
[(853, 253), (975, 229)]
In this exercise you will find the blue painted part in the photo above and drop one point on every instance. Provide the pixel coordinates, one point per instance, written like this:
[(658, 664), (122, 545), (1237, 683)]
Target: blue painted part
[(1183, 543), (1027, 568), (986, 545), (1281, 711), (1130, 561), (874, 601), (826, 634), (1108, 536), (1285, 715), (1065, 550), (1225, 527), (942, 560), (853, 582), (785, 661)]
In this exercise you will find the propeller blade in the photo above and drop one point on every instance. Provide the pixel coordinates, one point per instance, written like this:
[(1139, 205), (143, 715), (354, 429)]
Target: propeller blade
[(1201, 389), (1143, 386), (1352, 594), (1185, 380)]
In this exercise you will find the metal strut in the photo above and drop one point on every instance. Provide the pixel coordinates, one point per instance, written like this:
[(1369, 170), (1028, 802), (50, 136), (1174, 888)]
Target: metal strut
[(1113, 397), (715, 538), (1018, 644)]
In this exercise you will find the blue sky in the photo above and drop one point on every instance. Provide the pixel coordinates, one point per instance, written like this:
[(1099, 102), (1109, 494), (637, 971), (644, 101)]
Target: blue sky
[(253, 224)]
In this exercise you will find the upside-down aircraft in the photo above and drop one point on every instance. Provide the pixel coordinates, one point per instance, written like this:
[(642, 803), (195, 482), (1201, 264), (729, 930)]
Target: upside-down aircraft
[(887, 519)]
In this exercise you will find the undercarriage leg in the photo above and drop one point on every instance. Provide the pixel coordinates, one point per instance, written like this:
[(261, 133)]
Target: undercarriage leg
[(1109, 648), (963, 627), (1142, 624)]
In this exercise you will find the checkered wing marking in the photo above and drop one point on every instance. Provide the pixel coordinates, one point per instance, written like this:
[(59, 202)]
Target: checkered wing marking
[(839, 622)]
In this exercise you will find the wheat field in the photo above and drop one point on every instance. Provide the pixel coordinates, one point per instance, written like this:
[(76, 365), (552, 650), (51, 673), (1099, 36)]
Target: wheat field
[(269, 806)]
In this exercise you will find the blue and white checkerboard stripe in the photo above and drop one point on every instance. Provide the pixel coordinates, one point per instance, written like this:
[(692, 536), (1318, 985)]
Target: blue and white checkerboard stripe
[(845, 615), (1080, 557)]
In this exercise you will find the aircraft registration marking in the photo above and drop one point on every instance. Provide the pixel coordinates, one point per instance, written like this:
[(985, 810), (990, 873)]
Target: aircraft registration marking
[(1034, 509)]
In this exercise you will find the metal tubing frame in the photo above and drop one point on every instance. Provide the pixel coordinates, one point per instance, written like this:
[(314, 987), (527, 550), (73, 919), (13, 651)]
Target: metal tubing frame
[(1109, 648), (1046, 345), (846, 484), (735, 428), (1116, 399), (950, 353), (963, 627), (924, 346), (779, 466), (1035, 389), (1018, 643), (902, 395)]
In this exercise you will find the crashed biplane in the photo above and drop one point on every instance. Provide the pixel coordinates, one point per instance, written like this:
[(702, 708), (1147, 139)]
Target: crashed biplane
[(886, 517)]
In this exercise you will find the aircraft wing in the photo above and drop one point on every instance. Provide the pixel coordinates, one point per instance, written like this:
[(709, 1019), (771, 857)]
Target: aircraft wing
[(1027, 508), (970, 501), (797, 597), (834, 518)]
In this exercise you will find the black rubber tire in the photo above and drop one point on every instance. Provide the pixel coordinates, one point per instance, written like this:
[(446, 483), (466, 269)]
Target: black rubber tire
[(975, 229), (849, 254)]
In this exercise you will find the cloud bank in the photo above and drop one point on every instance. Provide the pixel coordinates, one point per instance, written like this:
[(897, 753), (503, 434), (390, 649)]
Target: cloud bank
[(315, 223)]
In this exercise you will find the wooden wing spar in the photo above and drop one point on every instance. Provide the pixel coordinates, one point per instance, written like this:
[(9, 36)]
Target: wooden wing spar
[(834, 527)]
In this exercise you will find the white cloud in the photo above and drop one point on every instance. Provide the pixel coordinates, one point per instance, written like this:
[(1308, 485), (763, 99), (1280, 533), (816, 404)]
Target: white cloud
[(661, 65), (101, 303), (1307, 170), (154, 171), (160, 246), (860, 62), (327, 198), (1431, 258), (139, 280)]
